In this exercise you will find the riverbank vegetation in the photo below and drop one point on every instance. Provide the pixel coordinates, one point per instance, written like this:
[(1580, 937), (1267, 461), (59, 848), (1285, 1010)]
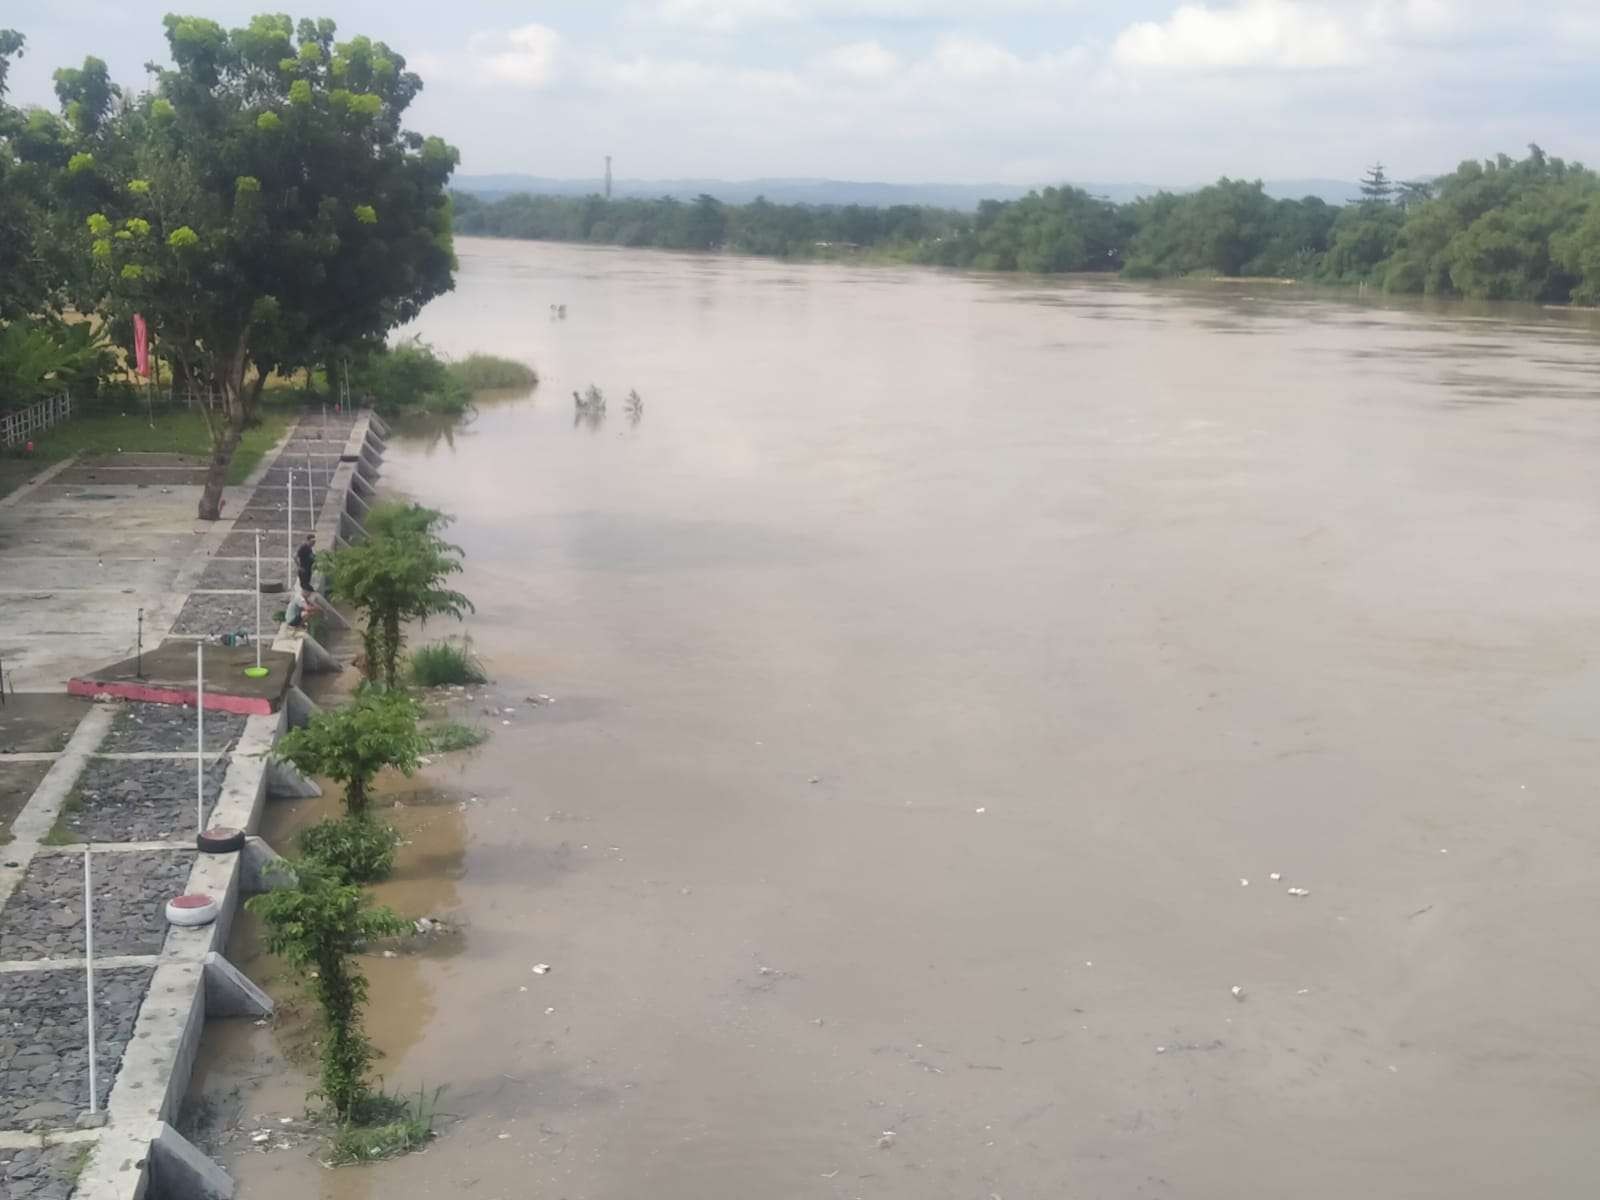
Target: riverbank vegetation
[(1500, 229), (260, 208), (395, 576), (440, 664), (320, 925)]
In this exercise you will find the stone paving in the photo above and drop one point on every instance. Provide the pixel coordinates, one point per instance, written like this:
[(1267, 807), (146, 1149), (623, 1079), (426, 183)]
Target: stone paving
[(17, 782), (230, 612), (139, 800), (47, 1174), (239, 574), (44, 916), (168, 728), (44, 1052), (208, 578)]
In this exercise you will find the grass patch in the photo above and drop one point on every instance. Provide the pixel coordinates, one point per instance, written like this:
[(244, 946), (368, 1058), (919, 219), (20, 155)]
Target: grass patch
[(481, 372), (170, 430), (72, 1170), (62, 833), (453, 735), (440, 663), (359, 848), (385, 1126)]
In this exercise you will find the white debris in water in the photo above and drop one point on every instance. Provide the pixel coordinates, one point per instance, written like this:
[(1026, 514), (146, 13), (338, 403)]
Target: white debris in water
[(541, 968), (1238, 992), (549, 1012), (1244, 883), (1161, 1049), (1275, 876), (981, 811), (1299, 892), (505, 722), (1303, 992)]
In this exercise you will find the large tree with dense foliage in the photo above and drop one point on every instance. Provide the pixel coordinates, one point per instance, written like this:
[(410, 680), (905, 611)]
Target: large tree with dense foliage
[(261, 205)]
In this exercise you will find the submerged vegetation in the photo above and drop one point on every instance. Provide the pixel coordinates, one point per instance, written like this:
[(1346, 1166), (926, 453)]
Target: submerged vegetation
[(319, 926), (440, 664), (1501, 229)]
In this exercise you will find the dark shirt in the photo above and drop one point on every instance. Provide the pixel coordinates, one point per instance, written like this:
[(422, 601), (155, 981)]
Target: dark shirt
[(307, 558)]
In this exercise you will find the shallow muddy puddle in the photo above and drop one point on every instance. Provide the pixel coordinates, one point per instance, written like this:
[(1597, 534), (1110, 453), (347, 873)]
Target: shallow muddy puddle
[(933, 663)]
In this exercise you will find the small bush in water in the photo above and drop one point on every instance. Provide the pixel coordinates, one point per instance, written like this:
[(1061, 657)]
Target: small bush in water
[(453, 735), (479, 372), (446, 662), (360, 849)]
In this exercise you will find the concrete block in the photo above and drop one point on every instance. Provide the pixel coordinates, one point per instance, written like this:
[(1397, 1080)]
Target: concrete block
[(301, 706), (229, 993), (180, 1172), (351, 527), (285, 781), (314, 657), (264, 869)]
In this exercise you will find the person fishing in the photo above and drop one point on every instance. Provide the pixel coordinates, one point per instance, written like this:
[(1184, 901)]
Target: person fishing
[(305, 560)]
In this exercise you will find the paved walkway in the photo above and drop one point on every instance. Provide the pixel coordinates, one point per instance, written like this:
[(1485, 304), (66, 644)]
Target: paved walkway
[(123, 787)]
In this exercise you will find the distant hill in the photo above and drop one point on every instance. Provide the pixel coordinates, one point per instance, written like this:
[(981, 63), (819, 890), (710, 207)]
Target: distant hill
[(963, 196)]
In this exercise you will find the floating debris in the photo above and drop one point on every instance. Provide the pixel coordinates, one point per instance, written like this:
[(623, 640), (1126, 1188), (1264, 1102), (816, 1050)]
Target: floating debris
[(541, 968), (1299, 892)]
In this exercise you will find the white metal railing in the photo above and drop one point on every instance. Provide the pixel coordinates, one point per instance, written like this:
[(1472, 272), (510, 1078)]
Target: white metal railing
[(17, 426)]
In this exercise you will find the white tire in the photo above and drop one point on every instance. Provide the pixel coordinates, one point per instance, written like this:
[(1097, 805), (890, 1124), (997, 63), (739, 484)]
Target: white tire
[(191, 910)]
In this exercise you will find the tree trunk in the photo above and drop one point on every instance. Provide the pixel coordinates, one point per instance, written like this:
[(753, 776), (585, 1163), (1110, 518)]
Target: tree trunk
[(392, 641), (229, 381), (217, 472), (355, 797)]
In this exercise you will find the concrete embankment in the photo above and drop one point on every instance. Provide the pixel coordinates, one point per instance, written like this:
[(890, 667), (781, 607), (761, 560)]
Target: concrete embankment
[(127, 791)]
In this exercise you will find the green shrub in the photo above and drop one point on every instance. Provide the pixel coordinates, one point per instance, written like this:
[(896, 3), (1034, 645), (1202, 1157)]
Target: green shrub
[(319, 926), (393, 517), (453, 735), (43, 356), (480, 372), (359, 849), (383, 1126), (446, 662), (351, 744), (409, 377)]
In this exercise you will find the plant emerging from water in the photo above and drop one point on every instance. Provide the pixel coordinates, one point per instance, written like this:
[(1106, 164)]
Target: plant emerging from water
[(441, 663), (385, 1126), (453, 735), (318, 926), (397, 575), (351, 744), (360, 849), (481, 372)]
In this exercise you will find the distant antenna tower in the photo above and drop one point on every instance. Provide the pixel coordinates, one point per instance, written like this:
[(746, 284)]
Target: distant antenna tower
[(608, 177)]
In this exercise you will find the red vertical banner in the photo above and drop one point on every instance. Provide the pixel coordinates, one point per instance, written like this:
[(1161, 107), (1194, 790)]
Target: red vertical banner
[(141, 345)]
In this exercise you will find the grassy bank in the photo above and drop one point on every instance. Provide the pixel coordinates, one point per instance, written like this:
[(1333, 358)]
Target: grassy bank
[(169, 430)]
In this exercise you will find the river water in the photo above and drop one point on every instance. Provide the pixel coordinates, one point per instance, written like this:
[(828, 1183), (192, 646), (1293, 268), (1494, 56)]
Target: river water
[(932, 663)]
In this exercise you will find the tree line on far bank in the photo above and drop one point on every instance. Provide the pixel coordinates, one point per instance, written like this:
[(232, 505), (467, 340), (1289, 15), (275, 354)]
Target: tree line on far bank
[(1500, 229)]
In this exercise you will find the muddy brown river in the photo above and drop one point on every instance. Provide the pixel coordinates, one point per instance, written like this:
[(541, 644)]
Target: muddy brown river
[(933, 662)]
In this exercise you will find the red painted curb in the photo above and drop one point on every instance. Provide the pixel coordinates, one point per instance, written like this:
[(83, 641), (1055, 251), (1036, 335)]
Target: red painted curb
[(150, 694)]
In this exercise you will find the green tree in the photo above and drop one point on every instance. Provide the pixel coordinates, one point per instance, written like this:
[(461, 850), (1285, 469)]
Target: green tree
[(1376, 187), (318, 927), (352, 743), (259, 205), (396, 577)]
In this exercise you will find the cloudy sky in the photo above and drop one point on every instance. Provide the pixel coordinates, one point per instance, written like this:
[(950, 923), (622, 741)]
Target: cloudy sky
[(1016, 91)]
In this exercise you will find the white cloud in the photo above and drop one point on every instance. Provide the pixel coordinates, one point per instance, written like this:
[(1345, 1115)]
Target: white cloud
[(722, 16), (972, 58), (1251, 33), (524, 57), (861, 60)]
